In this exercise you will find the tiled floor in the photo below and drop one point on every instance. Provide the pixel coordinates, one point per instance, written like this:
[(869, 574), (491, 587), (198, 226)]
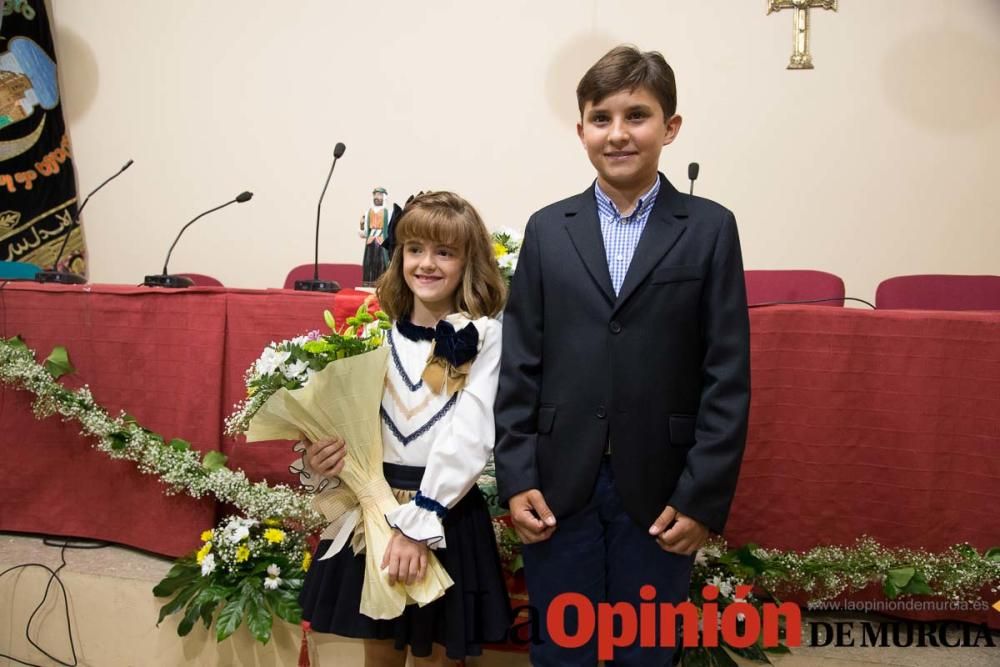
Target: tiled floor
[(130, 569)]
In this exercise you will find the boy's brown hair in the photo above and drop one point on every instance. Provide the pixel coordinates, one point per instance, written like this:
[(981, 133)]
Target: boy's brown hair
[(447, 219), (627, 68)]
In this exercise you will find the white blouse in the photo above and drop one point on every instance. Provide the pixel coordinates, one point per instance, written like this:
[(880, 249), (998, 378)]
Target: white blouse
[(452, 437)]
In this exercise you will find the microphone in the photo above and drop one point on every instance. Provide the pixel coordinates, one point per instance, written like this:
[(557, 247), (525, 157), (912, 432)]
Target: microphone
[(166, 280), (67, 277), (693, 174), (317, 285)]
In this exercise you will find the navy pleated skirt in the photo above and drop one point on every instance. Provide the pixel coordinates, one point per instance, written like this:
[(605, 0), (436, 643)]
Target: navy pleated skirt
[(474, 610)]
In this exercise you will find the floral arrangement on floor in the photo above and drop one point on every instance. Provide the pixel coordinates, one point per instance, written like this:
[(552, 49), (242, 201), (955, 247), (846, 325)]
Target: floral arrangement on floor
[(252, 569), (506, 247), (251, 566)]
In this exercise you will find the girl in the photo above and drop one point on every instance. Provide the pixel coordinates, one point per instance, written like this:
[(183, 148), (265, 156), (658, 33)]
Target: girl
[(442, 290)]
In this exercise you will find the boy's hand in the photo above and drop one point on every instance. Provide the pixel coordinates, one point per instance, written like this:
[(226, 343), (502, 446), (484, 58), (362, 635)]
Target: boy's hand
[(678, 533), (406, 559), (532, 519), (326, 457)]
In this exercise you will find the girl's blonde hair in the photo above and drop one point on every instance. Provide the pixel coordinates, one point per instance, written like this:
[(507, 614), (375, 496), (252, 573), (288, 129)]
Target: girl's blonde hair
[(447, 219)]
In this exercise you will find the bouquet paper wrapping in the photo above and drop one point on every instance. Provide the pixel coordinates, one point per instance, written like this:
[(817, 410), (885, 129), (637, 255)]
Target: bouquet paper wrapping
[(343, 400)]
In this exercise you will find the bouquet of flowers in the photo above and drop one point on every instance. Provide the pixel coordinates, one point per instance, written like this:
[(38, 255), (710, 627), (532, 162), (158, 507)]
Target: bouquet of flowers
[(506, 246), (252, 569), (321, 386)]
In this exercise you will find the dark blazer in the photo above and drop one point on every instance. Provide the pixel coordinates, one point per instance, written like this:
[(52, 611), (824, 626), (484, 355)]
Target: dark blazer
[(662, 371)]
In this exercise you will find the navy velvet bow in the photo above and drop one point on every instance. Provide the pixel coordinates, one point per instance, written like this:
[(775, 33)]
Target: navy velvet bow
[(455, 347)]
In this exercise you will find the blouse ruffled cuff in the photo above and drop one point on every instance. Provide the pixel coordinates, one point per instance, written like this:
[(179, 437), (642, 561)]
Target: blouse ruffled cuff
[(418, 524), (310, 480)]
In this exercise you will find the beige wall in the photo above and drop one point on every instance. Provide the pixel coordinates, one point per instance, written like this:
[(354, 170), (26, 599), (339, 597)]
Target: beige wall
[(883, 160)]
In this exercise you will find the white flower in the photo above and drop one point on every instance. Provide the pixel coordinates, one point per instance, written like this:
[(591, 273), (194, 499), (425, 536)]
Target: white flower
[(208, 565), (270, 360), (508, 261), (293, 370), (700, 558), (272, 583), (273, 570)]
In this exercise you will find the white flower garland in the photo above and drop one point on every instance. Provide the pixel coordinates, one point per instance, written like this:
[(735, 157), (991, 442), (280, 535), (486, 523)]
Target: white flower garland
[(182, 469)]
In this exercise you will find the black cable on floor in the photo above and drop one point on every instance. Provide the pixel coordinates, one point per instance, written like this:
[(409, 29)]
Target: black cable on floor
[(53, 576)]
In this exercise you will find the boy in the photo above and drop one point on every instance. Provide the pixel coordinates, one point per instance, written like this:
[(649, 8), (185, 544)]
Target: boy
[(624, 384)]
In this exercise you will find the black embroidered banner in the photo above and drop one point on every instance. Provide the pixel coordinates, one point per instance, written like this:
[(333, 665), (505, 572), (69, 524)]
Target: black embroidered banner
[(37, 182)]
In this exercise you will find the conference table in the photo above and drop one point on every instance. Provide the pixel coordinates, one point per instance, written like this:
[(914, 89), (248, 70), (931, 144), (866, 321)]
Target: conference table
[(878, 423)]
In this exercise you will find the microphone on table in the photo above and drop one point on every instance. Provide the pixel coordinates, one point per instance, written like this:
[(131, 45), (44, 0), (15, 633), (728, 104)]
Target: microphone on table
[(166, 280), (317, 285), (68, 277), (693, 174)]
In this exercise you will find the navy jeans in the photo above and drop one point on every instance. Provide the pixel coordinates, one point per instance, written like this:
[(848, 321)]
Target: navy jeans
[(603, 554)]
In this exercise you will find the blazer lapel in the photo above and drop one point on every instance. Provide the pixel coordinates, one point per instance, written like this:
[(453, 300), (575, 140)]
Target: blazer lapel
[(664, 226), (585, 232)]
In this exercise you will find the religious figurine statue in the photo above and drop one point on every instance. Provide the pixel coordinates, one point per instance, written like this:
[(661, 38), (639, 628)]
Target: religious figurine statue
[(373, 229)]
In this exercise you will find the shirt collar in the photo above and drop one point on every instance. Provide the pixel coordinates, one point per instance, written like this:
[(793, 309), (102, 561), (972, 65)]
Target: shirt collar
[(644, 204)]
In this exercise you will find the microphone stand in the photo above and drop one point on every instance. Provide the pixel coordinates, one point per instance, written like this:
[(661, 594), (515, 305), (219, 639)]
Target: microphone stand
[(317, 285), (167, 280), (68, 277)]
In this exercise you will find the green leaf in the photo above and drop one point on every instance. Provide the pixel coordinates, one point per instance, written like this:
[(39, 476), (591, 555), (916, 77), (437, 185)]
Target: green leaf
[(900, 576), (119, 440), (362, 309), (517, 563), (207, 611), (230, 618), (213, 461), (16, 343), (183, 597), (746, 557), (993, 555), (890, 589), (918, 586), (330, 321), (190, 617), (174, 582), (58, 362), (285, 605), (179, 445), (721, 657), (259, 619)]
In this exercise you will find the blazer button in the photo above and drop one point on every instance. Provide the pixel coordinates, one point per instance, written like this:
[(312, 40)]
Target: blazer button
[(615, 327), (601, 413)]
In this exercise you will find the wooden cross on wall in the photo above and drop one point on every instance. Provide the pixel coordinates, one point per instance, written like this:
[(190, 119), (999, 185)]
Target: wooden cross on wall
[(801, 58)]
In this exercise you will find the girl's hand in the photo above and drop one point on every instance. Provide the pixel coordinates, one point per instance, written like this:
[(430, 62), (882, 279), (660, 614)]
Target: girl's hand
[(406, 559), (327, 457)]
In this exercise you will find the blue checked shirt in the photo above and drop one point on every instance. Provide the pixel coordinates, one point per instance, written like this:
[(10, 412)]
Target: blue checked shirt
[(621, 234)]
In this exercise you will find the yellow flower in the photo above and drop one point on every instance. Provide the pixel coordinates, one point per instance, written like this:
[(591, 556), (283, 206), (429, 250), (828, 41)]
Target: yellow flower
[(307, 560), (498, 249), (242, 553), (272, 522), (206, 536), (274, 535), (200, 556)]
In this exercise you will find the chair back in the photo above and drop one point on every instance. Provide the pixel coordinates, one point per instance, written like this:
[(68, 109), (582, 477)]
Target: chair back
[(347, 275), (939, 292), (201, 280), (769, 286)]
